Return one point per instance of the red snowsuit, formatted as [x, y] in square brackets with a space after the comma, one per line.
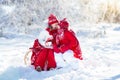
[43, 57]
[64, 39]
[68, 41]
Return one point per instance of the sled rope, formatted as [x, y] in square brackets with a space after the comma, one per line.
[26, 57]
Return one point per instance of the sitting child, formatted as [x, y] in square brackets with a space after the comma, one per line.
[42, 58]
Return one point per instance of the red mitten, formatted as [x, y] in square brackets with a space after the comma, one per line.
[49, 39]
[57, 50]
[64, 48]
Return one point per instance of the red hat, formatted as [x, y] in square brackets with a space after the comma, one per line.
[36, 44]
[64, 24]
[52, 19]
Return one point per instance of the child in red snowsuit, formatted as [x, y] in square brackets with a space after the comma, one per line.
[62, 38]
[42, 58]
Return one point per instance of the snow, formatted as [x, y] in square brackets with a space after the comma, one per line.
[21, 23]
[8, 9]
[101, 57]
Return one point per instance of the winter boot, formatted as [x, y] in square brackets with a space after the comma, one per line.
[38, 68]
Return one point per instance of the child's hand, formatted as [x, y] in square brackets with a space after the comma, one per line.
[48, 44]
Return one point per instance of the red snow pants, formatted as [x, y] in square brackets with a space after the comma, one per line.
[45, 59]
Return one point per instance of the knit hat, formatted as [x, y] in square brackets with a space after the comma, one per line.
[36, 45]
[52, 19]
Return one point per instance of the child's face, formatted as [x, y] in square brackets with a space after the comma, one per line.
[55, 26]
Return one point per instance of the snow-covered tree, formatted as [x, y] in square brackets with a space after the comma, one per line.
[22, 16]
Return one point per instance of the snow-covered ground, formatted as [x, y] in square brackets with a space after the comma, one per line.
[100, 43]
[101, 53]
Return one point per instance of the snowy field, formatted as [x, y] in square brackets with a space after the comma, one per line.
[101, 53]
[100, 43]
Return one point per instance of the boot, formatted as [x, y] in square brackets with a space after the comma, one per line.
[38, 68]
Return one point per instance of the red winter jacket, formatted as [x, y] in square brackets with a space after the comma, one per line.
[70, 42]
[66, 40]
